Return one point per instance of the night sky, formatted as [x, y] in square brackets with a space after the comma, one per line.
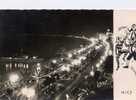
[15, 25]
[54, 21]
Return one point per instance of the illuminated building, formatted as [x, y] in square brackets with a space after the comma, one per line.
[18, 63]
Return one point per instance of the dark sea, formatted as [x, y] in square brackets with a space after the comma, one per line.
[42, 46]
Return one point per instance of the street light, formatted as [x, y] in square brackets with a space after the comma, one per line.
[70, 55]
[92, 73]
[54, 61]
[98, 65]
[13, 77]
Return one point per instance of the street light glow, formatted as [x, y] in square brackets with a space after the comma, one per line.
[28, 92]
[70, 55]
[54, 61]
[14, 77]
[92, 73]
